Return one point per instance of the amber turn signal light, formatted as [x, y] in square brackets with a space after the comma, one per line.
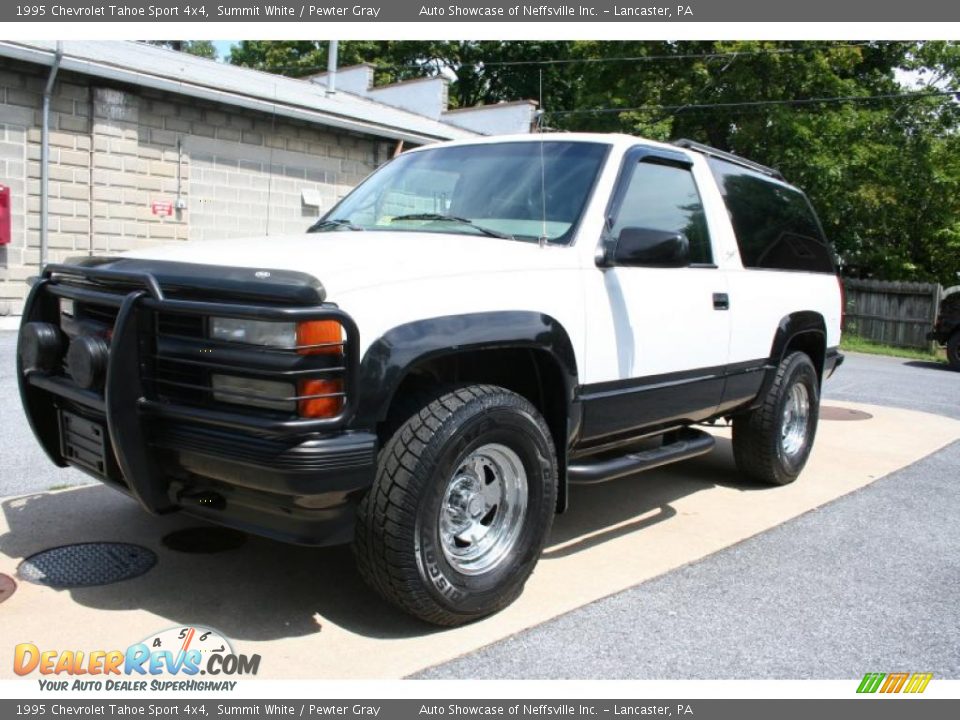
[320, 337]
[321, 407]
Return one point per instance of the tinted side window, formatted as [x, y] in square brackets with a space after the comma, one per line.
[665, 197]
[774, 223]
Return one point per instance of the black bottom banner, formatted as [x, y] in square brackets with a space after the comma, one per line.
[874, 708]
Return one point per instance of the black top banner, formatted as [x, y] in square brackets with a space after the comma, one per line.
[636, 11]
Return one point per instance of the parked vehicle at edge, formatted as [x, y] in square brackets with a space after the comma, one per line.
[946, 330]
[426, 371]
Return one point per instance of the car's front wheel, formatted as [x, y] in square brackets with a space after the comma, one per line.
[461, 506]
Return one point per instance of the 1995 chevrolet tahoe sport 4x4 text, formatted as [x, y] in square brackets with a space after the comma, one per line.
[427, 369]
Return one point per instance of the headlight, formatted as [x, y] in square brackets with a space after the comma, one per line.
[254, 332]
[268, 394]
[313, 337]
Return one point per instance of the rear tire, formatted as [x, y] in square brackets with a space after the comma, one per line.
[461, 506]
[771, 443]
[953, 350]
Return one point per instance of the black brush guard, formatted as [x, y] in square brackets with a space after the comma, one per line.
[126, 400]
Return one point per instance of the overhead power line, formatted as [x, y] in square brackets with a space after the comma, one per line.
[594, 60]
[761, 103]
[678, 56]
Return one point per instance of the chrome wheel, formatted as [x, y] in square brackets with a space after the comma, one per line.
[796, 420]
[483, 508]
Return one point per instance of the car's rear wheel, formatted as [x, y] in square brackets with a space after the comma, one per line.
[461, 506]
[771, 443]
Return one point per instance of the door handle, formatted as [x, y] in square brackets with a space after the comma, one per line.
[721, 301]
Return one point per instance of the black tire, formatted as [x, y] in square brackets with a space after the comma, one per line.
[398, 544]
[759, 448]
[953, 350]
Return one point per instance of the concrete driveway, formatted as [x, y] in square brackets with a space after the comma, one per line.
[287, 603]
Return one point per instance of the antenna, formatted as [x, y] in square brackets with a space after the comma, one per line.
[543, 171]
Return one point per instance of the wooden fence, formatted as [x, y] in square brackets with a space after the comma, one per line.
[893, 313]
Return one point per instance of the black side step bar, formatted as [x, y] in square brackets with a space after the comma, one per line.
[689, 443]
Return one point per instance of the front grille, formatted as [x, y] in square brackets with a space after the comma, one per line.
[177, 382]
[103, 314]
[172, 379]
[180, 359]
[192, 326]
[167, 346]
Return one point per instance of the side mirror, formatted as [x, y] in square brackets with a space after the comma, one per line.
[650, 248]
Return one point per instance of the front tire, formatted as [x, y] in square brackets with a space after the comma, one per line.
[771, 443]
[461, 507]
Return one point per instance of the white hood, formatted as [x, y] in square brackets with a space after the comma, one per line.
[347, 261]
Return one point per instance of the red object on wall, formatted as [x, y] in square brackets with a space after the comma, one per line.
[5, 213]
[163, 208]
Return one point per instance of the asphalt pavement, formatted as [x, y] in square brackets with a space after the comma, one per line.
[24, 467]
[912, 384]
[867, 583]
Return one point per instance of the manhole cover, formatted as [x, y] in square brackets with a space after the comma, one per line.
[7, 587]
[832, 412]
[204, 540]
[86, 564]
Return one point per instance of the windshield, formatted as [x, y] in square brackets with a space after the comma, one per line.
[516, 190]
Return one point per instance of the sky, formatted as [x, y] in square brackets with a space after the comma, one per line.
[223, 48]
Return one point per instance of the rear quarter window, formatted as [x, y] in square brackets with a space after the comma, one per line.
[775, 225]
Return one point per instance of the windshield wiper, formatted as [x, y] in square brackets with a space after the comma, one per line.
[454, 218]
[331, 224]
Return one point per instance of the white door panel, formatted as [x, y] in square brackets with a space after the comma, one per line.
[663, 319]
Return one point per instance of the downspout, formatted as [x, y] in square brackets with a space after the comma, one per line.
[45, 156]
[332, 67]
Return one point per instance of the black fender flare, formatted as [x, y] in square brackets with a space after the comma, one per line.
[791, 326]
[796, 323]
[390, 358]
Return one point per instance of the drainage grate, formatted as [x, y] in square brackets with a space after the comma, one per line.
[832, 412]
[204, 540]
[86, 564]
[7, 587]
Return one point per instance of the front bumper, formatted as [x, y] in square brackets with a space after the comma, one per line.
[291, 478]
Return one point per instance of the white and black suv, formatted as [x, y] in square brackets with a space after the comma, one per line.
[427, 369]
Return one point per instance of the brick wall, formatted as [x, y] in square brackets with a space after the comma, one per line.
[239, 189]
[21, 94]
[114, 151]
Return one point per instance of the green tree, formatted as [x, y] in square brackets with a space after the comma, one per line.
[883, 170]
[300, 58]
[201, 48]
